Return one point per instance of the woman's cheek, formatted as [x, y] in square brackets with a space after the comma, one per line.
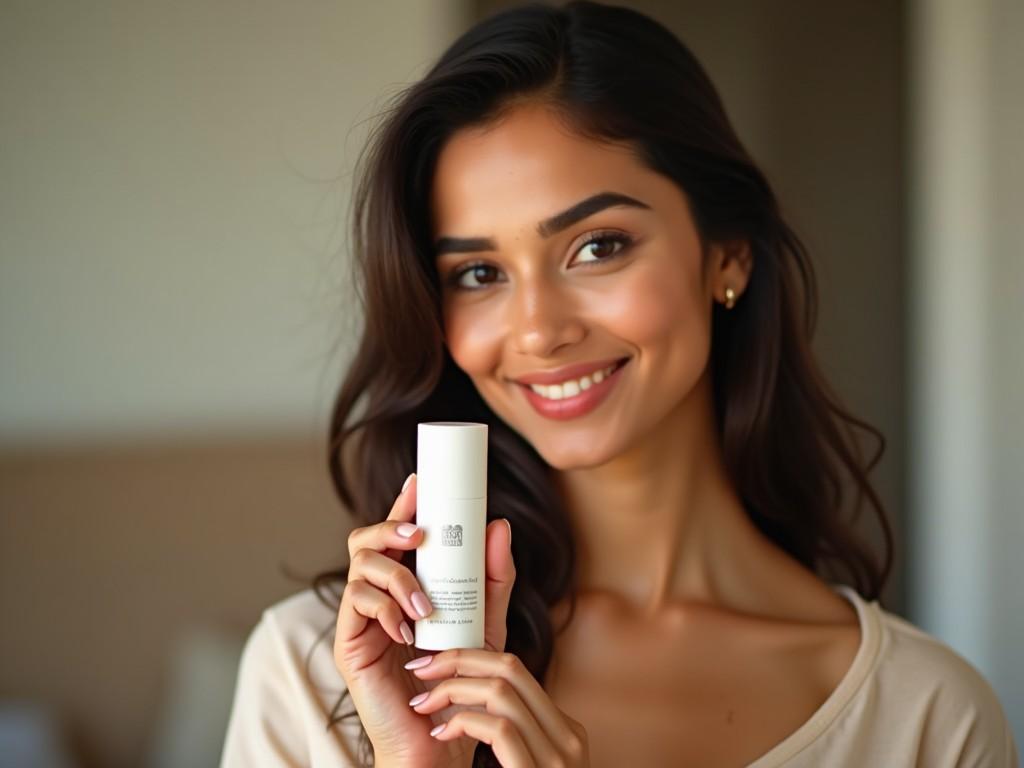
[646, 308]
[659, 312]
[475, 340]
[473, 336]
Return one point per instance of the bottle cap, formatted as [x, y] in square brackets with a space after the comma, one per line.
[451, 459]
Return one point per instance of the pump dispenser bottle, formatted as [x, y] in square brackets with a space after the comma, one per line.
[451, 508]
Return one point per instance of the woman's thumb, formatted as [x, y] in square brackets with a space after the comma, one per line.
[501, 575]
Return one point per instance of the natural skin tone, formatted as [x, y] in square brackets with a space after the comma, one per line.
[696, 639]
[372, 655]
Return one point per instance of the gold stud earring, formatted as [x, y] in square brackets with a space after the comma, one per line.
[730, 298]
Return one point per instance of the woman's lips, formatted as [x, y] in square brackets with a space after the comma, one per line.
[577, 405]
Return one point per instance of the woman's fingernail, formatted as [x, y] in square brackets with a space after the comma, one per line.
[419, 699]
[406, 633]
[421, 604]
[509, 532]
[406, 530]
[422, 661]
[437, 729]
[407, 481]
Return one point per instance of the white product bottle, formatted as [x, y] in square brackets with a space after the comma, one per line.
[451, 508]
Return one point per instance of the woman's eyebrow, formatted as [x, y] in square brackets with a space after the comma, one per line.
[546, 228]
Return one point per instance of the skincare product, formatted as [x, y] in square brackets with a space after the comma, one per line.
[451, 508]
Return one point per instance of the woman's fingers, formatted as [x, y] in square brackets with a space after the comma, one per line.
[501, 734]
[392, 578]
[396, 532]
[475, 662]
[379, 586]
[405, 503]
[500, 699]
[361, 602]
[501, 576]
[385, 537]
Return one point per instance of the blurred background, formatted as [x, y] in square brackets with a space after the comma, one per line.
[175, 316]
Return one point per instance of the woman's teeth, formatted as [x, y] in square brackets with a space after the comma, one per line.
[572, 386]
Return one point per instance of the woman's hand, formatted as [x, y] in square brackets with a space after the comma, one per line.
[369, 647]
[519, 720]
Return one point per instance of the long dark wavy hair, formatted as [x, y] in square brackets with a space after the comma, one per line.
[613, 74]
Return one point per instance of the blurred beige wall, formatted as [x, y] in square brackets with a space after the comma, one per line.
[111, 557]
[175, 179]
[174, 318]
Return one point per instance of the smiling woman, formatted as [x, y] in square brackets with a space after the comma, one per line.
[558, 233]
[635, 315]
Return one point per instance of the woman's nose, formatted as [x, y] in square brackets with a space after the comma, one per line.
[544, 318]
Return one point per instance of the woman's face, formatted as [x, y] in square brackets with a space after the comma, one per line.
[529, 302]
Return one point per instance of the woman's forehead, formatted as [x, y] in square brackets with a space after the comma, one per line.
[528, 146]
[525, 171]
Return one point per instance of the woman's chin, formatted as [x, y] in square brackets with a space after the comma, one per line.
[566, 457]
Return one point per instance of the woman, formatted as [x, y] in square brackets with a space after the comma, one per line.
[558, 233]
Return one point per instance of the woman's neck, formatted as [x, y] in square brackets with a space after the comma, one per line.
[661, 523]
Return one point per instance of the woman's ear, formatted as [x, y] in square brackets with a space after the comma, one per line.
[732, 264]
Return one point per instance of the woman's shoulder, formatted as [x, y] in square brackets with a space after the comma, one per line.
[929, 686]
[907, 699]
[287, 685]
[293, 639]
[302, 616]
[910, 659]
[917, 657]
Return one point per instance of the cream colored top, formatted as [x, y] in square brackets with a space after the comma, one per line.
[907, 700]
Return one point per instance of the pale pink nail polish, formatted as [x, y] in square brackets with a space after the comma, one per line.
[418, 699]
[422, 661]
[421, 604]
[437, 729]
[406, 633]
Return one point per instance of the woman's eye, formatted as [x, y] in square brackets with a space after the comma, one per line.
[478, 272]
[601, 247]
[598, 246]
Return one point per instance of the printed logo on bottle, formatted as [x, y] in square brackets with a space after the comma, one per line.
[451, 535]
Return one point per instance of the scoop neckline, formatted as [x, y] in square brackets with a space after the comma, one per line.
[825, 715]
